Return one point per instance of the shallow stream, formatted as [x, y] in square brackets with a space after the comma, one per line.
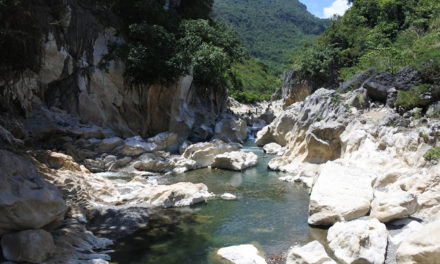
[268, 213]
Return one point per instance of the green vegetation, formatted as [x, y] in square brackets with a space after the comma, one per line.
[20, 38]
[386, 35]
[162, 45]
[425, 137]
[410, 99]
[270, 29]
[418, 113]
[251, 81]
[433, 154]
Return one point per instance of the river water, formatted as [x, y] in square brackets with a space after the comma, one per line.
[268, 213]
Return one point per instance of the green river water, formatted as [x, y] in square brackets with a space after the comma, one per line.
[268, 213]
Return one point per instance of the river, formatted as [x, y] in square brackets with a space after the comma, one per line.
[268, 213]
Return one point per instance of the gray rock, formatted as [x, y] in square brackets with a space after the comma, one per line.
[97, 165]
[434, 110]
[406, 78]
[268, 116]
[355, 82]
[108, 144]
[166, 141]
[34, 246]
[27, 201]
[135, 146]
[379, 85]
[294, 89]
[231, 129]
[116, 223]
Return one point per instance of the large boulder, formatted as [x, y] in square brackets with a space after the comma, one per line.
[422, 246]
[379, 86]
[34, 246]
[205, 153]
[341, 193]
[394, 205]
[236, 160]
[274, 148]
[166, 141]
[163, 163]
[323, 141]
[242, 254]
[108, 144]
[359, 241]
[231, 129]
[312, 253]
[175, 195]
[27, 201]
[294, 89]
[135, 146]
[407, 78]
[116, 222]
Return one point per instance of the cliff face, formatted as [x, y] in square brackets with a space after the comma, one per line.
[72, 77]
[293, 89]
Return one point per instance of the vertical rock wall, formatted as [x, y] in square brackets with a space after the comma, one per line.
[73, 77]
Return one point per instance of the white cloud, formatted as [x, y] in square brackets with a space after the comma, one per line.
[337, 8]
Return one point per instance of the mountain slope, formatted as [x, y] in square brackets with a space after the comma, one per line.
[270, 29]
[375, 34]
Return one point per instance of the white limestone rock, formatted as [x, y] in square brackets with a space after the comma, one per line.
[341, 193]
[175, 195]
[359, 241]
[393, 205]
[274, 148]
[312, 253]
[204, 153]
[228, 196]
[236, 160]
[422, 246]
[242, 254]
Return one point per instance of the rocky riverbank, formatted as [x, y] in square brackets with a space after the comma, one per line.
[366, 166]
[61, 177]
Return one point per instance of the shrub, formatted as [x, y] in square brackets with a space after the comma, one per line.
[410, 99]
[165, 44]
[385, 35]
[433, 154]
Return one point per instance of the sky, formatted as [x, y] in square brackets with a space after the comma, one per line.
[326, 8]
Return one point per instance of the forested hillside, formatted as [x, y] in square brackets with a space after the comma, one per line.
[384, 35]
[270, 29]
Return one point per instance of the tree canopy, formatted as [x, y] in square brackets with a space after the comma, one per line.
[386, 35]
